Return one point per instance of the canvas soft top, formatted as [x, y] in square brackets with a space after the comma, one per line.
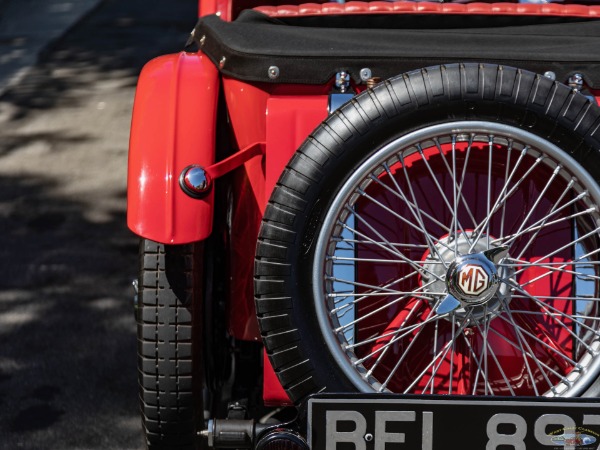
[311, 49]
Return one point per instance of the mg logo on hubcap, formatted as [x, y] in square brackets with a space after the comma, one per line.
[472, 279]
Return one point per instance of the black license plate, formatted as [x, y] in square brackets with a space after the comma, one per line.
[346, 422]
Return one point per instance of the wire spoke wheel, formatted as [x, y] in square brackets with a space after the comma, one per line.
[462, 258]
[439, 234]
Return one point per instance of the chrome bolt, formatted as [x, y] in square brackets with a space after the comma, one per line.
[202, 40]
[209, 433]
[365, 74]
[368, 437]
[195, 181]
[222, 62]
[273, 72]
[576, 81]
[342, 81]
[550, 75]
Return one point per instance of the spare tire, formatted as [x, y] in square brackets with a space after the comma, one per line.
[439, 234]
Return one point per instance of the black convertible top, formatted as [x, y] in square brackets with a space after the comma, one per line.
[310, 50]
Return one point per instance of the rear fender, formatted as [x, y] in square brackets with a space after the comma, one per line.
[173, 127]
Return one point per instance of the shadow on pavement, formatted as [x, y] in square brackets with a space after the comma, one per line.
[113, 42]
[68, 374]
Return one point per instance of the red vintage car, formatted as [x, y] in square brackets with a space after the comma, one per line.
[370, 225]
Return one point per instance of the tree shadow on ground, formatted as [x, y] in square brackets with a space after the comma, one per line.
[68, 375]
[113, 42]
[67, 343]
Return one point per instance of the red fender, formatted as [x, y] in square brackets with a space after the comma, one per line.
[173, 126]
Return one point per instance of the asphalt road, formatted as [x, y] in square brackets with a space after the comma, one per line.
[67, 332]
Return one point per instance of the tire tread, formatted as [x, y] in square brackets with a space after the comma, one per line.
[165, 354]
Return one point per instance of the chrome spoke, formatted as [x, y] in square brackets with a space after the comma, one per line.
[557, 311]
[559, 269]
[540, 341]
[540, 364]
[373, 260]
[440, 355]
[562, 266]
[457, 186]
[549, 314]
[435, 344]
[480, 370]
[397, 336]
[340, 295]
[508, 158]
[394, 333]
[401, 359]
[375, 311]
[504, 195]
[489, 188]
[520, 338]
[371, 242]
[493, 355]
[540, 223]
[554, 297]
[387, 347]
[377, 290]
[400, 195]
[428, 237]
[437, 185]
[417, 211]
[562, 325]
[390, 249]
[533, 208]
[452, 352]
[428, 319]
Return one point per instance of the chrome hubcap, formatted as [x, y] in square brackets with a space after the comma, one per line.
[471, 281]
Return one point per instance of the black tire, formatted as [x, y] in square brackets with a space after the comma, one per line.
[169, 362]
[303, 197]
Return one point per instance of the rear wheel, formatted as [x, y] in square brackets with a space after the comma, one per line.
[441, 234]
[169, 363]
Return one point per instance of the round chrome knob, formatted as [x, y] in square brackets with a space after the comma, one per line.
[195, 181]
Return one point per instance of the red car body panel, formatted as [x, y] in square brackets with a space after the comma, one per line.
[173, 126]
[283, 122]
[290, 119]
[287, 128]
[221, 7]
[273, 392]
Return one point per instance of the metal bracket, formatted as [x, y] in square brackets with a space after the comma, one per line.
[336, 100]
[196, 181]
[236, 160]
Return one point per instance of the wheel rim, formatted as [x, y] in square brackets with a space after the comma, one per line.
[432, 206]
